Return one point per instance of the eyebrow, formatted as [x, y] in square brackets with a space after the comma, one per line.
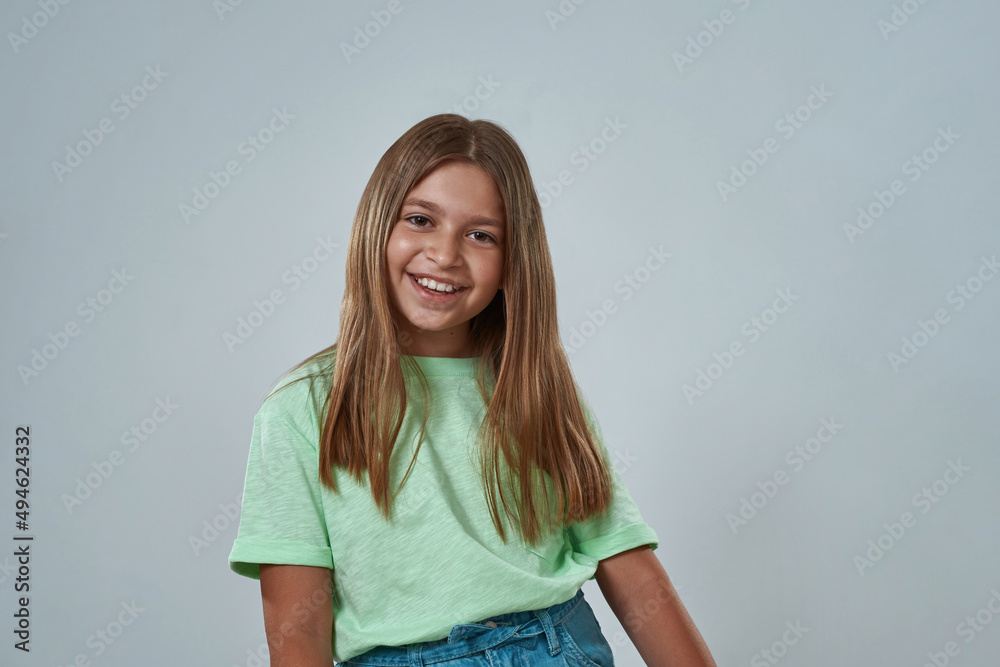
[434, 208]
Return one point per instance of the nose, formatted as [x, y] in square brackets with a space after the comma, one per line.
[443, 248]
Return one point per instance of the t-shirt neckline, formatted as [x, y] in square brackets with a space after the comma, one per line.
[444, 365]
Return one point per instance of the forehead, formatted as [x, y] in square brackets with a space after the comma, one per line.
[461, 190]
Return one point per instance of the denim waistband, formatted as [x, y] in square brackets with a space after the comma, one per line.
[470, 638]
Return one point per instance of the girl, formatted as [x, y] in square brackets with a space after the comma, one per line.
[433, 488]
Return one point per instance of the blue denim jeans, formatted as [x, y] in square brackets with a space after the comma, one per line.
[564, 634]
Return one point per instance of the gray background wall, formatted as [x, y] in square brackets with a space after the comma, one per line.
[892, 90]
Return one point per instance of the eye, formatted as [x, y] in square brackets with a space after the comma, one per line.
[413, 218]
[488, 239]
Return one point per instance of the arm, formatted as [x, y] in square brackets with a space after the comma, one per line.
[640, 593]
[298, 614]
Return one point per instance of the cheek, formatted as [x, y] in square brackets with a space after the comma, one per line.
[396, 254]
[493, 270]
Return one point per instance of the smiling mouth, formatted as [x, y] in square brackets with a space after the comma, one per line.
[433, 287]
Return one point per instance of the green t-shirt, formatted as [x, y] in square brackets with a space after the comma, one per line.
[439, 561]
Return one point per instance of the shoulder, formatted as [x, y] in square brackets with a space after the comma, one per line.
[300, 396]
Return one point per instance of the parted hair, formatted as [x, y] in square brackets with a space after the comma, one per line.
[534, 438]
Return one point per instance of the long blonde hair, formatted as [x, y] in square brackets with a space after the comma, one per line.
[534, 417]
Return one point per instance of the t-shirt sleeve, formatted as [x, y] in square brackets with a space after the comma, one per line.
[620, 527]
[282, 519]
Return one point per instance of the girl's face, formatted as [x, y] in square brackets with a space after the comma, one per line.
[450, 230]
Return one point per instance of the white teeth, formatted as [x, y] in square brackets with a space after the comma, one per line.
[437, 287]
